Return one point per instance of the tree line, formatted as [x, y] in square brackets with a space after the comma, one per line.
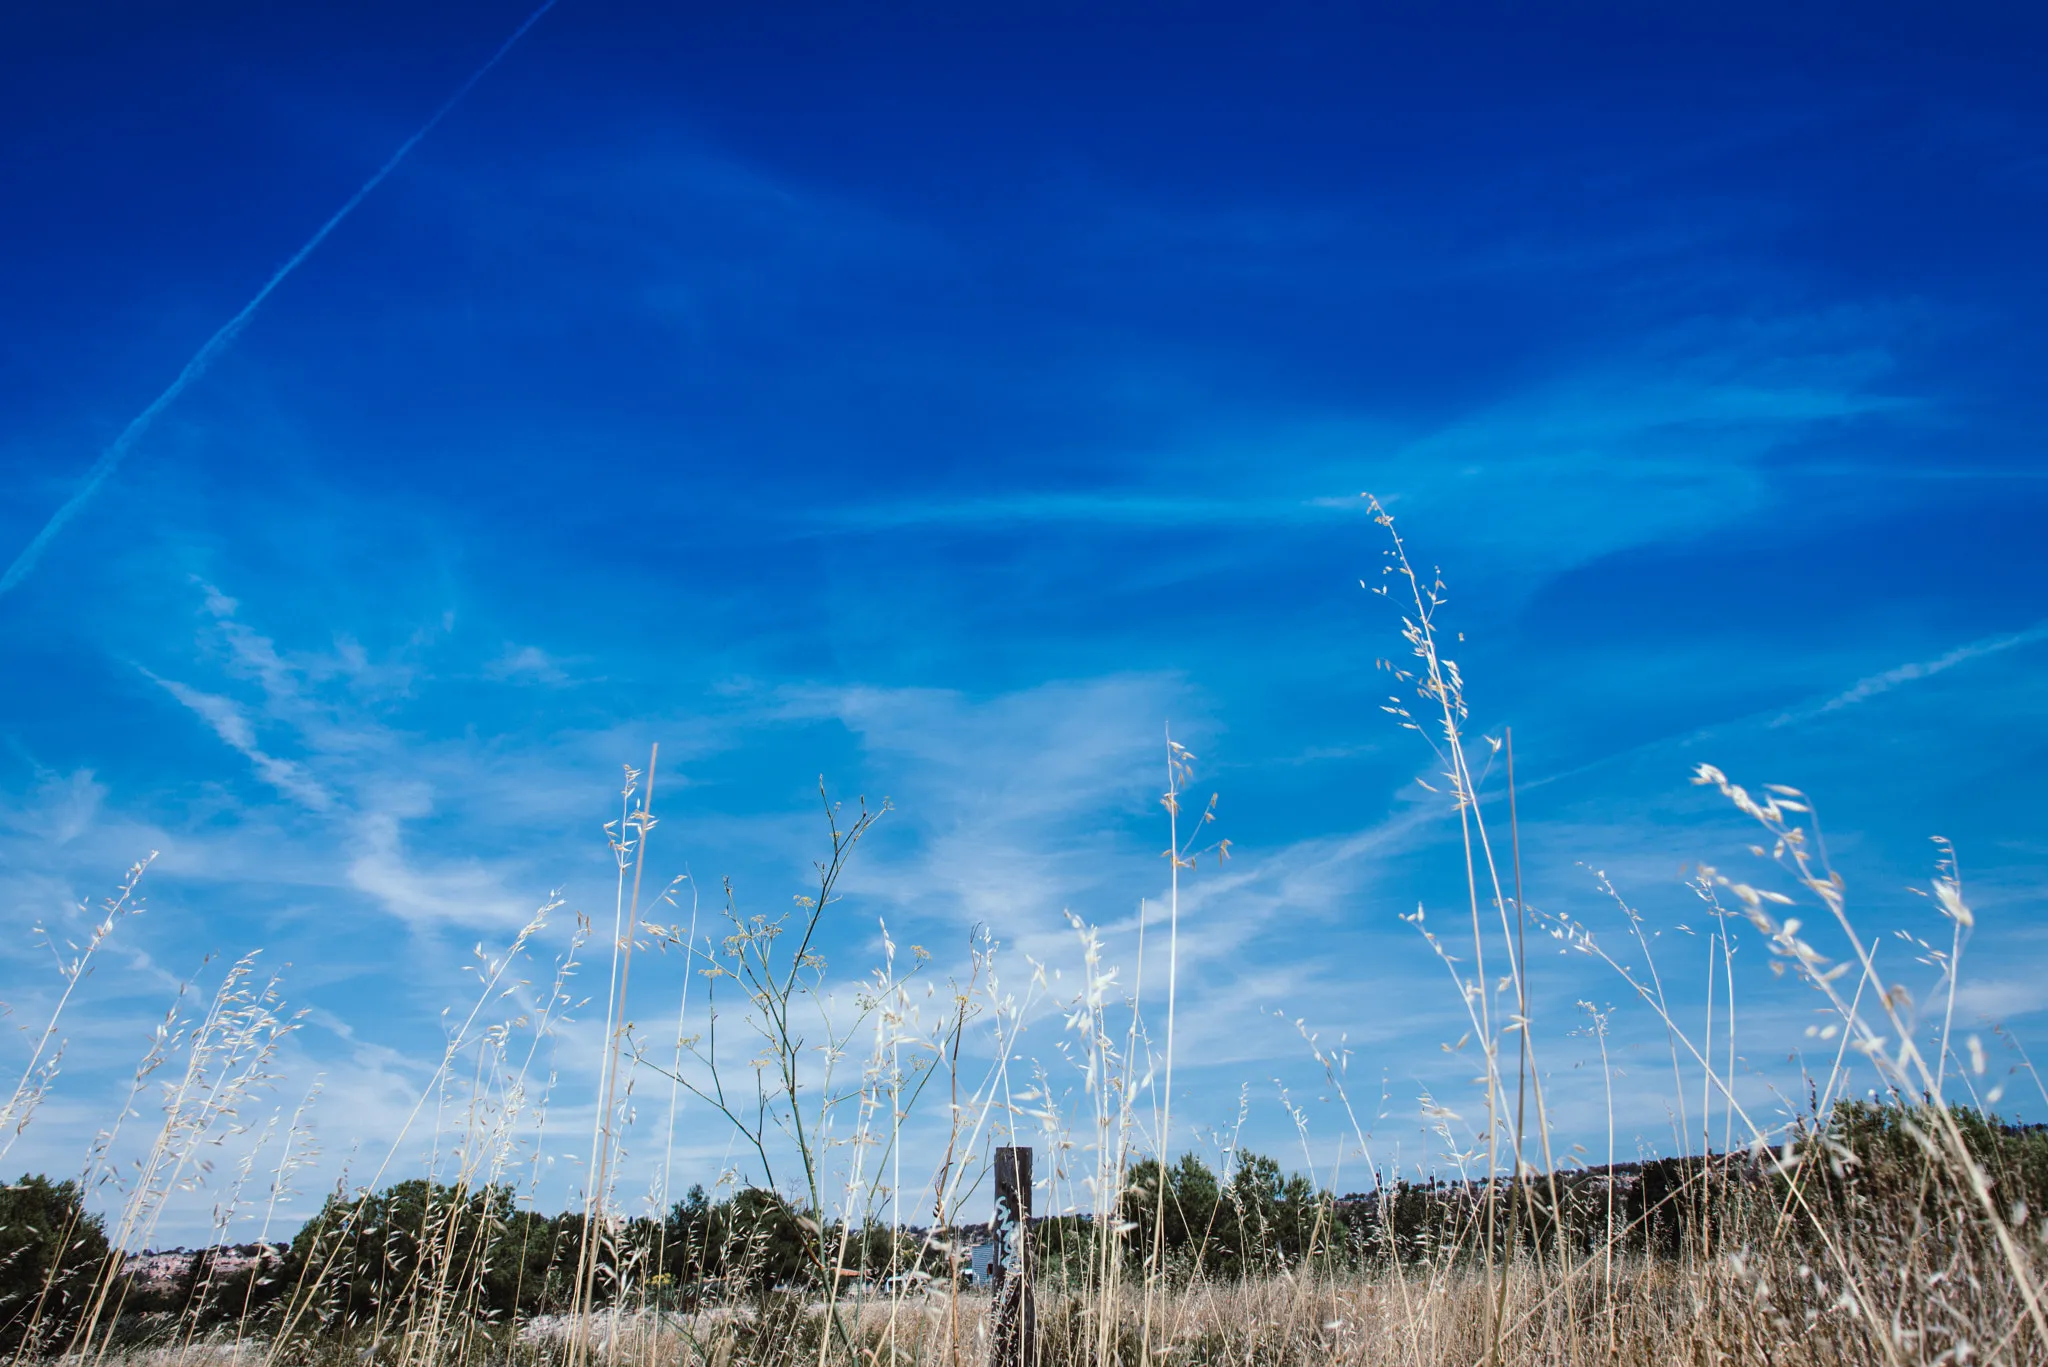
[420, 1251]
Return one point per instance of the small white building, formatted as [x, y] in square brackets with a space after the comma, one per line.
[975, 1250]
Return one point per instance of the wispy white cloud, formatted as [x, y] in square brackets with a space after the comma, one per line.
[58, 808]
[315, 730]
[526, 664]
[1684, 435]
[454, 890]
[1017, 800]
[232, 724]
[2002, 998]
[291, 681]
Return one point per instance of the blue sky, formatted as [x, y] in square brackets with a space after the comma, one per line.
[946, 402]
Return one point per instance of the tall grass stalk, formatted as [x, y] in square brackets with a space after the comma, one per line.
[44, 1058]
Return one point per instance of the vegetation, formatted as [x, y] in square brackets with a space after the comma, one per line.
[1886, 1223]
[51, 1252]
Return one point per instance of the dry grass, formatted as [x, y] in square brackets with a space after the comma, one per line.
[1657, 1312]
[1808, 1241]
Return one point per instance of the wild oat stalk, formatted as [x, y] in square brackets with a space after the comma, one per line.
[230, 1053]
[44, 1059]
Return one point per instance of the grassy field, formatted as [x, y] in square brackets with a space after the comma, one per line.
[1902, 1229]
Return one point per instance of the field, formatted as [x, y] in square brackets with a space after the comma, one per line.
[1901, 1227]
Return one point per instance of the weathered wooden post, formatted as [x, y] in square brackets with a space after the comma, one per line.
[1013, 1312]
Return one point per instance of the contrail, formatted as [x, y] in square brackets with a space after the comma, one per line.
[110, 459]
[1918, 669]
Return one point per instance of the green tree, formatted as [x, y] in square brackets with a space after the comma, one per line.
[419, 1248]
[1259, 1220]
[754, 1240]
[51, 1251]
[1192, 1195]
